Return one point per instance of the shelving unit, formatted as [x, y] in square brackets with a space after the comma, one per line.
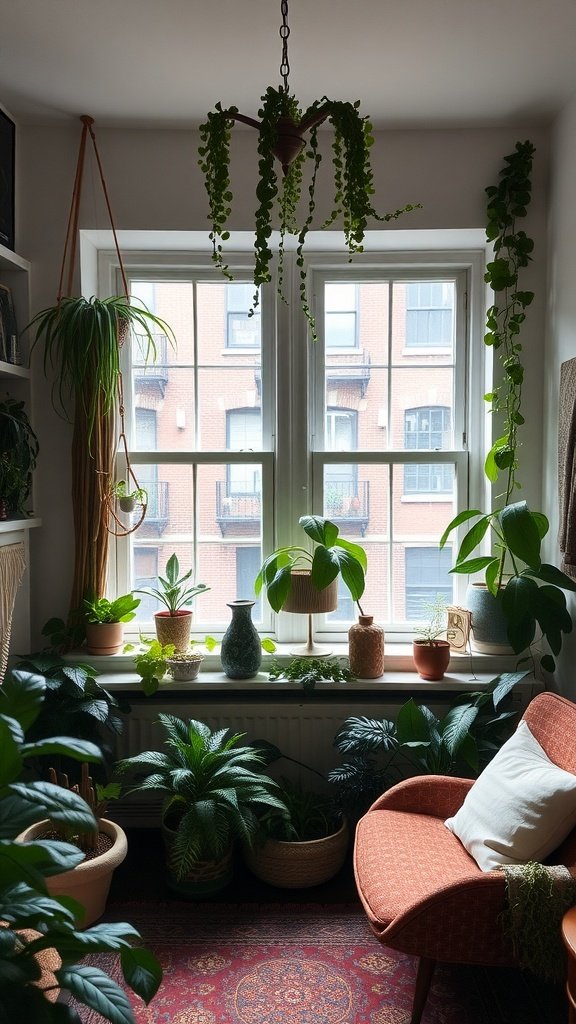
[15, 381]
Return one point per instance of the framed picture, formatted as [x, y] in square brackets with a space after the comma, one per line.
[7, 149]
[9, 348]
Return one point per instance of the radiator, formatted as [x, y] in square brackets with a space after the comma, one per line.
[304, 731]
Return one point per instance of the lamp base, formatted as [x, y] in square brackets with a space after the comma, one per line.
[311, 650]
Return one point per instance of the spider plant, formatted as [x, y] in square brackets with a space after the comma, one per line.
[82, 339]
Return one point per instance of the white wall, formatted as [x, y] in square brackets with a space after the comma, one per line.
[154, 183]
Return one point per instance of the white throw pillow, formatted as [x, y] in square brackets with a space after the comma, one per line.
[520, 808]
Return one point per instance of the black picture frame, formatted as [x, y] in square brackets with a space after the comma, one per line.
[9, 349]
[7, 180]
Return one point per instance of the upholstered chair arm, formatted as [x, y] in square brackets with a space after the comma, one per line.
[438, 795]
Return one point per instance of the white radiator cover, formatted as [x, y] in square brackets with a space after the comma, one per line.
[304, 731]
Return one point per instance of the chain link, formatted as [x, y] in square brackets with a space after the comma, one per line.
[284, 33]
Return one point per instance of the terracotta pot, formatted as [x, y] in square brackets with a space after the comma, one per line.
[89, 882]
[294, 865]
[431, 659]
[174, 629]
[104, 637]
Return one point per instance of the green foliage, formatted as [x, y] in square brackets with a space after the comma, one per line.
[278, 200]
[531, 590]
[310, 671]
[120, 490]
[378, 752]
[176, 592]
[18, 453]
[332, 556]
[74, 703]
[24, 899]
[436, 625]
[81, 343]
[212, 788]
[100, 609]
[152, 662]
[308, 816]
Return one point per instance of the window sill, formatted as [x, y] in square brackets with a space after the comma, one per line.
[466, 672]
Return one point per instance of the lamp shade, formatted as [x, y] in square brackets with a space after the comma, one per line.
[306, 599]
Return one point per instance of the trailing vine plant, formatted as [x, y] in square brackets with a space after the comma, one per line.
[531, 591]
[278, 200]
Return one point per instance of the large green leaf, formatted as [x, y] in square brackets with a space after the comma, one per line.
[456, 727]
[473, 538]
[551, 574]
[279, 587]
[10, 756]
[141, 971]
[329, 562]
[504, 683]
[518, 600]
[320, 530]
[21, 696]
[462, 517]
[521, 533]
[69, 746]
[93, 988]
[31, 862]
[58, 804]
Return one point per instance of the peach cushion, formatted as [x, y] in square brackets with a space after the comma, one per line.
[519, 809]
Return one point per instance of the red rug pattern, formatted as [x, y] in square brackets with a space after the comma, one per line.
[294, 964]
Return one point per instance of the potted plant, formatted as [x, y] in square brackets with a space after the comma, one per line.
[281, 135]
[18, 454]
[81, 339]
[431, 654]
[173, 625]
[309, 671]
[528, 592]
[377, 753]
[126, 498]
[26, 868]
[104, 850]
[304, 844]
[293, 567]
[105, 622]
[212, 792]
[157, 659]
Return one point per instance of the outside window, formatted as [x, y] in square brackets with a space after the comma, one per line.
[234, 442]
[242, 330]
[429, 314]
[427, 428]
[340, 315]
[427, 577]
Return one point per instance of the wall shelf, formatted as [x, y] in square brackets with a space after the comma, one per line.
[13, 371]
[13, 525]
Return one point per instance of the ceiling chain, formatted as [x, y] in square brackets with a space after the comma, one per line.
[284, 33]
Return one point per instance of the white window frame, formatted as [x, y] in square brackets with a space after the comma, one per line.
[292, 463]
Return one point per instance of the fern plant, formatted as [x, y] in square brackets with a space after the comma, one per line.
[212, 790]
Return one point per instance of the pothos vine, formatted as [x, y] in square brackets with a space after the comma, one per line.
[278, 200]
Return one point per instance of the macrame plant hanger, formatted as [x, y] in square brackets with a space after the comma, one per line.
[114, 523]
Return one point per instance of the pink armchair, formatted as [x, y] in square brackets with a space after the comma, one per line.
[422, 892]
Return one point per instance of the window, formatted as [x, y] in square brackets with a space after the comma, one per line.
[427, 577]
[238, 441]
[340, 315]
[429, 314]
[242, 330]
[427, 428]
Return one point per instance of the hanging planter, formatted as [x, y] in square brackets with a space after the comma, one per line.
[283, 136]
[82, 339]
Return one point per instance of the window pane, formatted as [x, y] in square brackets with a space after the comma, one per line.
[427, 577]
[429, 314]
[422, 408]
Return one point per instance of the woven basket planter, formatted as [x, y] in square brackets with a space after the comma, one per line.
[203, 877]
[299, 865]
[174, 629]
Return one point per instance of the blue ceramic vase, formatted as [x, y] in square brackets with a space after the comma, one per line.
[241, 651]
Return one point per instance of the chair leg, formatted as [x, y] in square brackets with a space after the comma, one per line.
[423, 980]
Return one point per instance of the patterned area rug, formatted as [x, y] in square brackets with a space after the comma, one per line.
[295, 964]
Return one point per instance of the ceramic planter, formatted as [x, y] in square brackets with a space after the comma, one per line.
[186, 667]
[241, 651]
[431, 658]
[127, 504]
[104, 637]
[174, 629]
[89, 882]
[489, 633]
[294, 865]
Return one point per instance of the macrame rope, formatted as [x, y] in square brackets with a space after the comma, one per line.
[12, 566]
